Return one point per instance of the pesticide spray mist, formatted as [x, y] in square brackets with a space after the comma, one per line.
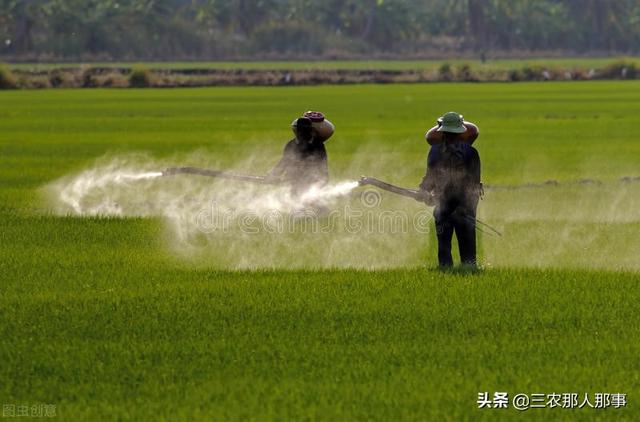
[121, 189]
[218, 222]
[230, 224]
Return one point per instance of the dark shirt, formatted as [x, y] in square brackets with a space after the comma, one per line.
[303, 164]
[453, 172]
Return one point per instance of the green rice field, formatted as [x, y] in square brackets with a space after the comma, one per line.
[120, 306]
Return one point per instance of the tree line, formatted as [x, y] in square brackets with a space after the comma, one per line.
[233, 29]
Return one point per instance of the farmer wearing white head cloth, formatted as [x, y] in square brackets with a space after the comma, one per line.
[304, 160]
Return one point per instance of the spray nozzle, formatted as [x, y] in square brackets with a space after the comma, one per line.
[364, 180]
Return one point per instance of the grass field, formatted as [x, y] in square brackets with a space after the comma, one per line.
[115, 317]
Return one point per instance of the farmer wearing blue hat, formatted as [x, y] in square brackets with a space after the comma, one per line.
[452, 184]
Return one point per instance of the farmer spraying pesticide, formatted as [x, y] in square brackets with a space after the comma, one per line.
[452, 184]
[303, 166]
[304, 160]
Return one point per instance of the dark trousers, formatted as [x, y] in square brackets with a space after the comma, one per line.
[461, 219]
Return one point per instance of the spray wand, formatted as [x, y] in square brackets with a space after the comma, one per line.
[422, 196]
[172, 171]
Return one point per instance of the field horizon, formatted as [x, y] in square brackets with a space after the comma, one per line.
[399, 64]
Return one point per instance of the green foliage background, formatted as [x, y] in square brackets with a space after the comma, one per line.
[215, 29]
